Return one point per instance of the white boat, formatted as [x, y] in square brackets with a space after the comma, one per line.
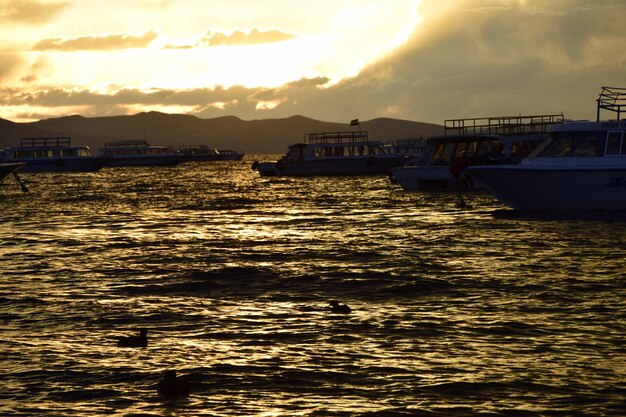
[53, 154]
[493, 140]
[559, 176]
[230, 155]
[199, 153]
[581, 166]
[139, 153]
[333, 154]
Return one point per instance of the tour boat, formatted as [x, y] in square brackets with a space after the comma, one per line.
[53, 154]
[333, 154]
[493, 140]
[580, 166]
[230, 155]
[200, 153]
[139, 153]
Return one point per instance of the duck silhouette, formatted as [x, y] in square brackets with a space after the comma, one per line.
[335, 307]
[172, 386]
[134, 341]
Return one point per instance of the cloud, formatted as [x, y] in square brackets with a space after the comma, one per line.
[11, 62]
[108, 42]
[472, 58]
[29, 12]
[253, 37]
[40, 67]
[467, 58]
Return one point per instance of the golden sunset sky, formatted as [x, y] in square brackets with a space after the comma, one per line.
[334, 60]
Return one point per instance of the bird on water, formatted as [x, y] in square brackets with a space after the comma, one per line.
[172, 386]
[335, 307]
[134, 341]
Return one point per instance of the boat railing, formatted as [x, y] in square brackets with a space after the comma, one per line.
[502, 125]
[336, 137]
[612, 99]
[48, 142]
[127, 144]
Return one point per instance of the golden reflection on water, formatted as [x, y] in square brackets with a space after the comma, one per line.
[232, 274]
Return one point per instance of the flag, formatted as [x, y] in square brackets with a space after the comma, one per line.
[354, 122]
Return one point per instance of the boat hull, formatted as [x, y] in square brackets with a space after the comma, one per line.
[330, 167]
[62, 164]
[432, 178]
[7, 168]
[550, 188]
[146, 160]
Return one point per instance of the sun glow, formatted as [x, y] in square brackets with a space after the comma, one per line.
[85, 52]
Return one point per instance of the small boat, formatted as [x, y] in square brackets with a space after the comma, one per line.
[493, 140]
[200, 153]
[53, 154]
[139, 153]
[230, 155]
[580, 166]
[333, 154]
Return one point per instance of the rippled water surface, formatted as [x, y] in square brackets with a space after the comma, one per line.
[455, 312]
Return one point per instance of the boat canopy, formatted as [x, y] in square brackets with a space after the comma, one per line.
[612, 99]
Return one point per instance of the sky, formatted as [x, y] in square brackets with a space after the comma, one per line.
[420, 60]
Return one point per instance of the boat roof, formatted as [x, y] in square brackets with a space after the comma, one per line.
[127, 144]
[460, 138]
[589, 126]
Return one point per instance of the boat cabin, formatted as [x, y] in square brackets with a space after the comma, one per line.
[590, 139]
[585, 139]
[335, 145]
[134, 147]
[48, 147]
[442, 150]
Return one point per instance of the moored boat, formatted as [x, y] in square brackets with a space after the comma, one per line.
[230, 155]
[333, 154]
[139, 153]
[580, 166]
[493, 140]
[53, 154]
[199, 153]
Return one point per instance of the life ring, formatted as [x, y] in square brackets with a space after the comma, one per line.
[60, 163]
[255, 165]
[280, 165]
[371, 161]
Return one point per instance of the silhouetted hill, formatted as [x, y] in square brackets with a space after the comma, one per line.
[228, 132]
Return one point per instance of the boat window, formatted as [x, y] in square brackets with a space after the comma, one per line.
[560, 146]
[614, 144]
[460, 150]
[585, 146]
[439, 152]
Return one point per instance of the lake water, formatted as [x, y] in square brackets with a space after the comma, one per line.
[478, 312]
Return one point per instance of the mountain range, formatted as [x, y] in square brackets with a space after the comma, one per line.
[228, 132]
